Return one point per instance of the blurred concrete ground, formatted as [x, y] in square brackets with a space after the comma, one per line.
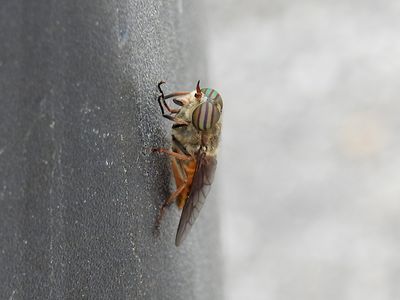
[309, 169]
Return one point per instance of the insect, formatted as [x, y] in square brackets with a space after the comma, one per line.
[195, 137]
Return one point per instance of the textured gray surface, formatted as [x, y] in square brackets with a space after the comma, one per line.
[79, 188]
[309, 163]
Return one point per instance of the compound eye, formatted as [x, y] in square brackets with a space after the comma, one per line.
[213, 96]
[205, 116]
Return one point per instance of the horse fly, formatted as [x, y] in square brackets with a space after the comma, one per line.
[195, 137]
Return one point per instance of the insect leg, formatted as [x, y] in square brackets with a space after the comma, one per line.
[161, 102]
[182, 178]
[161, 99]
[176, 94]
[171, 199]
[173, 154]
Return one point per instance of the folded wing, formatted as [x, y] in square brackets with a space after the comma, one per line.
[202, 180]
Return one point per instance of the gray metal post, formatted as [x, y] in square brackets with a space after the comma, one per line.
[79, 188]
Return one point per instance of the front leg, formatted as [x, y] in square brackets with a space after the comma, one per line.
[161, 101]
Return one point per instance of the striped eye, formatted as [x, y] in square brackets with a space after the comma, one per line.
[213, 95]
[205, 116]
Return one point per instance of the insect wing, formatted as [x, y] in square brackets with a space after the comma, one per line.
[202, 180]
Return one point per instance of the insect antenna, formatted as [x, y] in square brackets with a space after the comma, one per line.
[198, 90]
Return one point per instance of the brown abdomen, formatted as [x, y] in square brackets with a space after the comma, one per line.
[182, 170]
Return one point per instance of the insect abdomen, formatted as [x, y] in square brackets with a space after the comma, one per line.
[183, 170]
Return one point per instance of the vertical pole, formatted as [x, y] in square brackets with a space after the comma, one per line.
[79, 187]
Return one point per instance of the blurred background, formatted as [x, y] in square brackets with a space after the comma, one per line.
[309, 169]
